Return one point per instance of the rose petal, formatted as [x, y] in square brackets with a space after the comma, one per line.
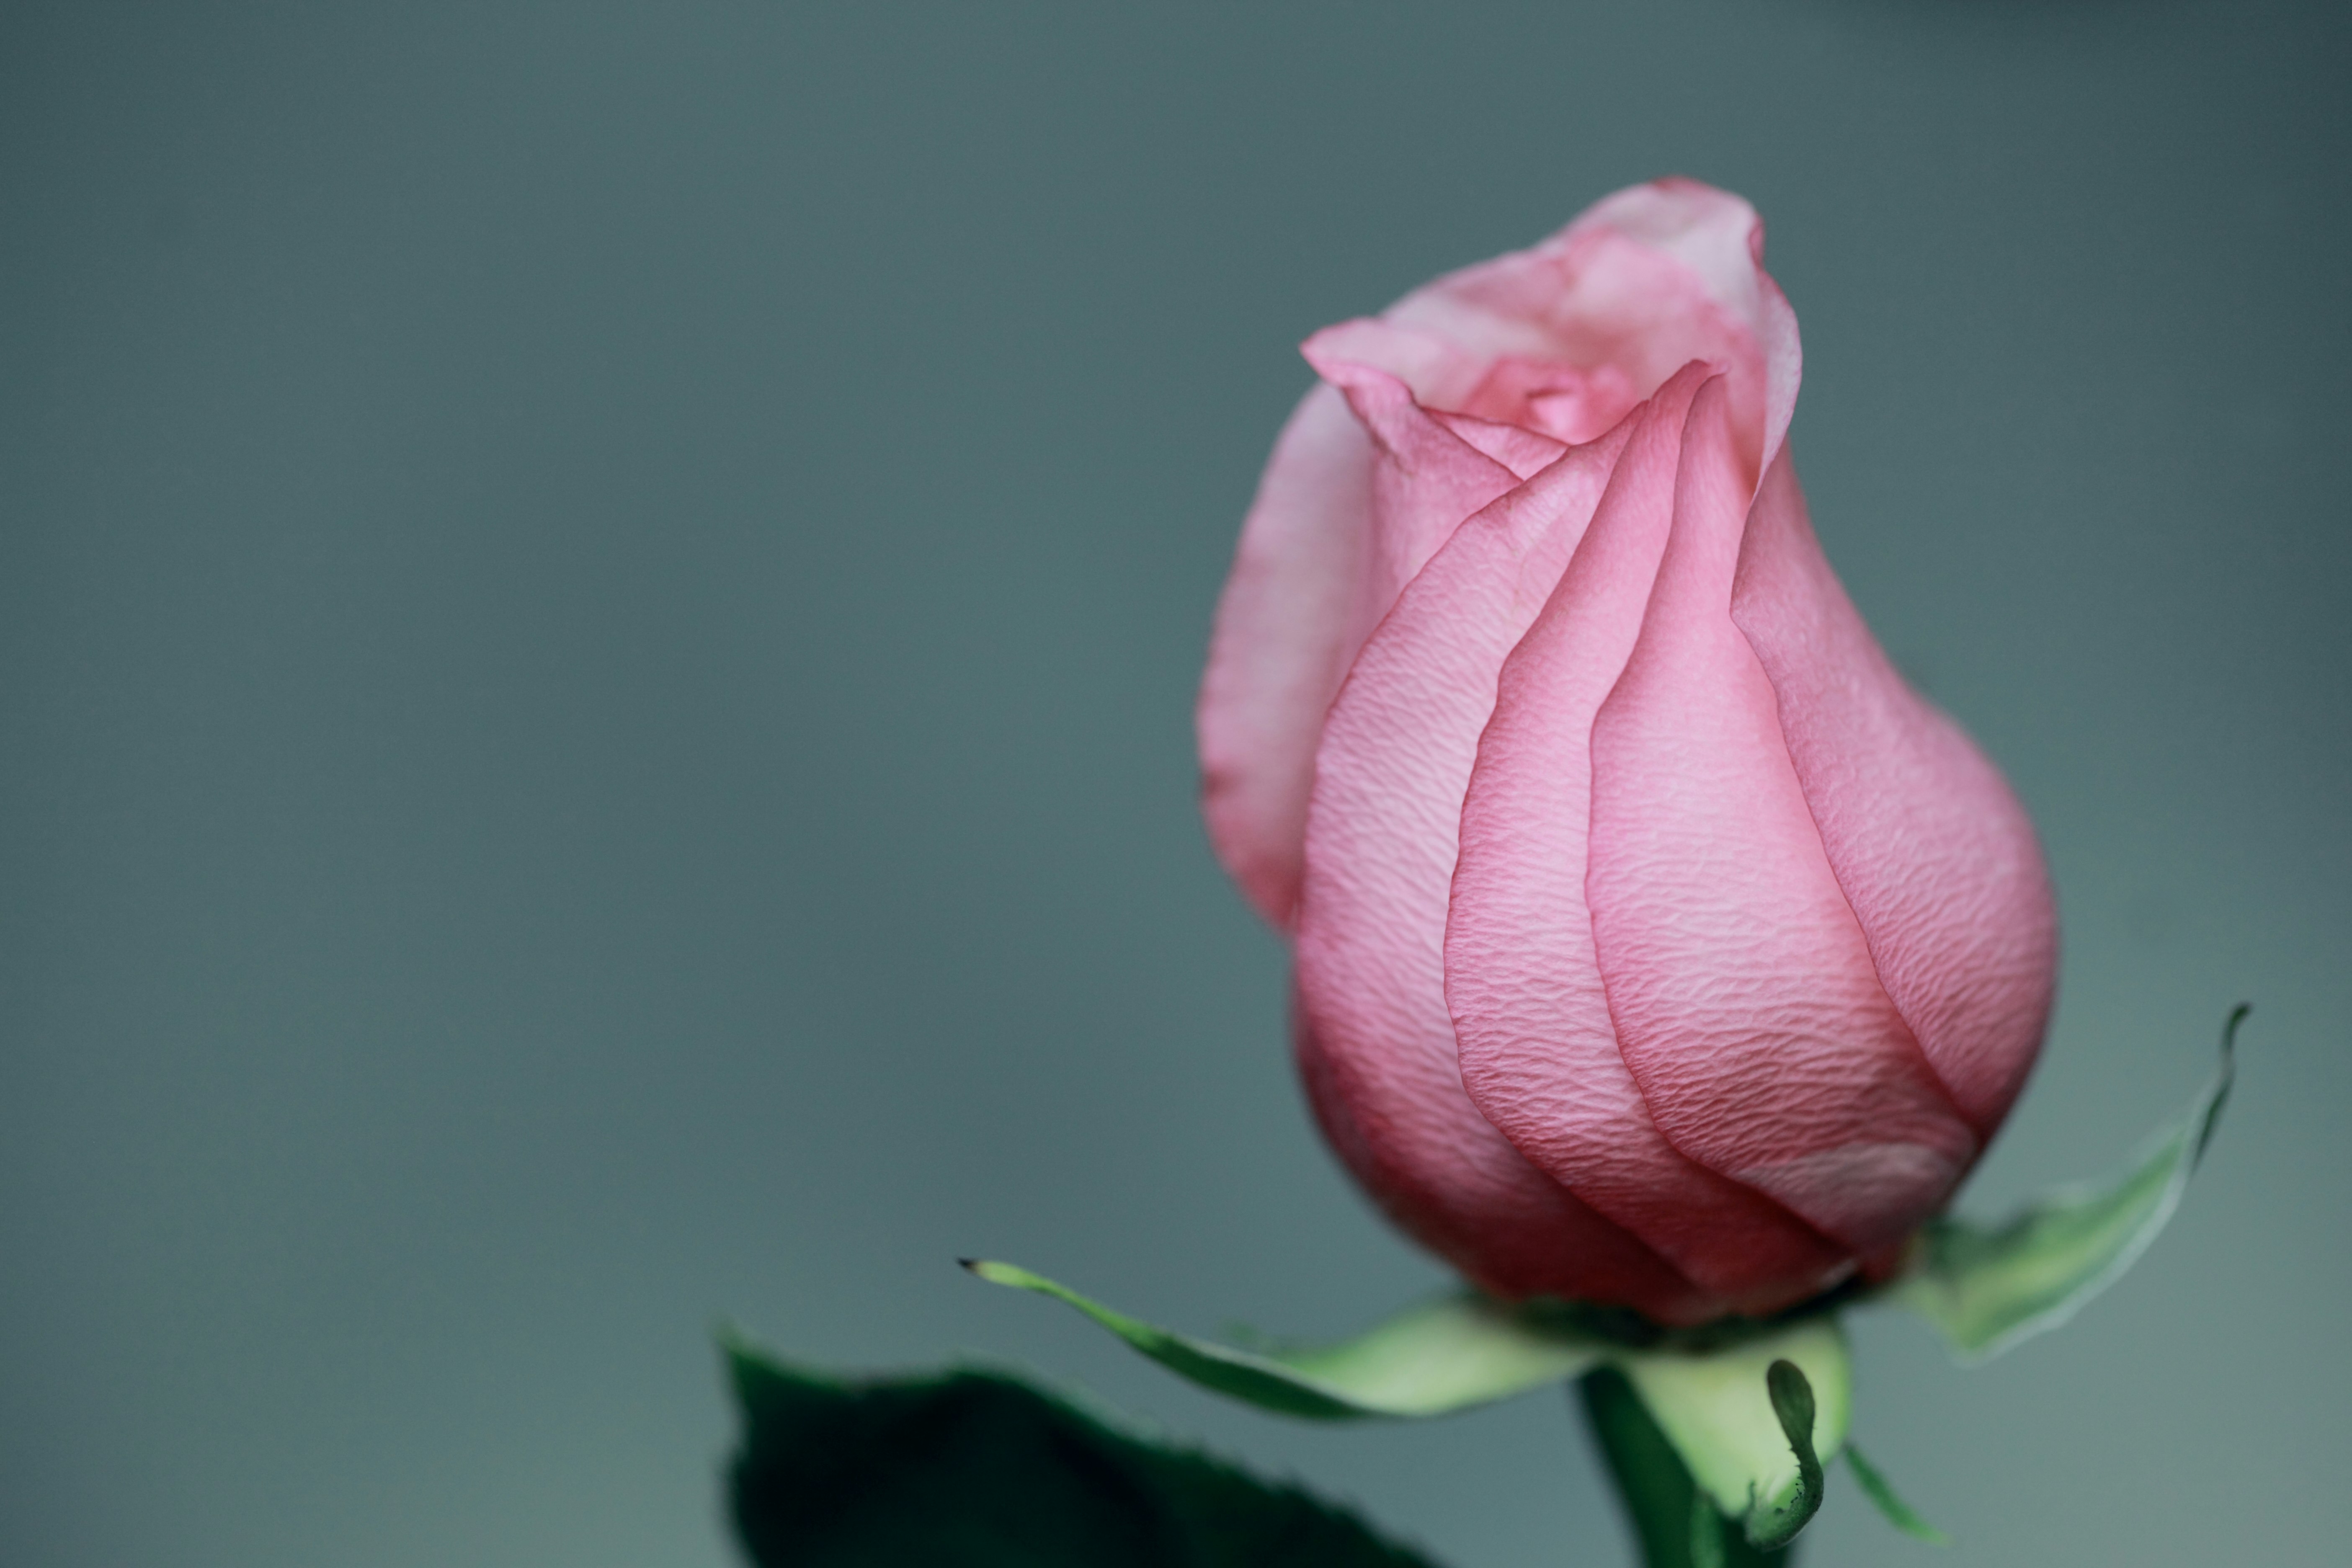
[1281, 646]
[1719, 237]
[1538, 1053]
[1936, 855]
[1376, 1044]
[1746, 1002]
[1645, 281]
[1568, 403]
[1426, 478]
[1641, 284]
[1318, 569]
[1525, 452]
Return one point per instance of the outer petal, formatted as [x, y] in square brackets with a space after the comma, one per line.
[1742, 988]
[1933, 853]
[1344, 519]
[1556, 341]
[1376, 1044]
[1281, 646]
[1538, 1052]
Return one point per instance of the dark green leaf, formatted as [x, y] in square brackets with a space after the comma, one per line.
[1900, 1514]
[972, 1469]
[1987, 1288]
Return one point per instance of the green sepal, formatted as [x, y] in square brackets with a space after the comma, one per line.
[1445, 1356]
[1753, 1435]
[1674, 1521]
[1880, 1490]
[1714, 1398]
[1987, 1287]
[975, 1469]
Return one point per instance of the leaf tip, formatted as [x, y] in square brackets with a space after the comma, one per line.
[1771, 1525]
[1792, 1400]
[997, 1273]
[2220, 1092]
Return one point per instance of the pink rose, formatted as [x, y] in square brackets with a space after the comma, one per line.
[1654, 943]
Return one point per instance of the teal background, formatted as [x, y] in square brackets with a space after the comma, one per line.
[598, 612]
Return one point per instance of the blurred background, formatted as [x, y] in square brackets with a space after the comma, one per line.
[599, 605]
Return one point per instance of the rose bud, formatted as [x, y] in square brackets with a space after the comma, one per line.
[1654, 943]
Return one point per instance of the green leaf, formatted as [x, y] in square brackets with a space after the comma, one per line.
[1987, 1288]
[1446, 1355]
[1878, 1489]
[970, 1469]
[1754, 1419]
